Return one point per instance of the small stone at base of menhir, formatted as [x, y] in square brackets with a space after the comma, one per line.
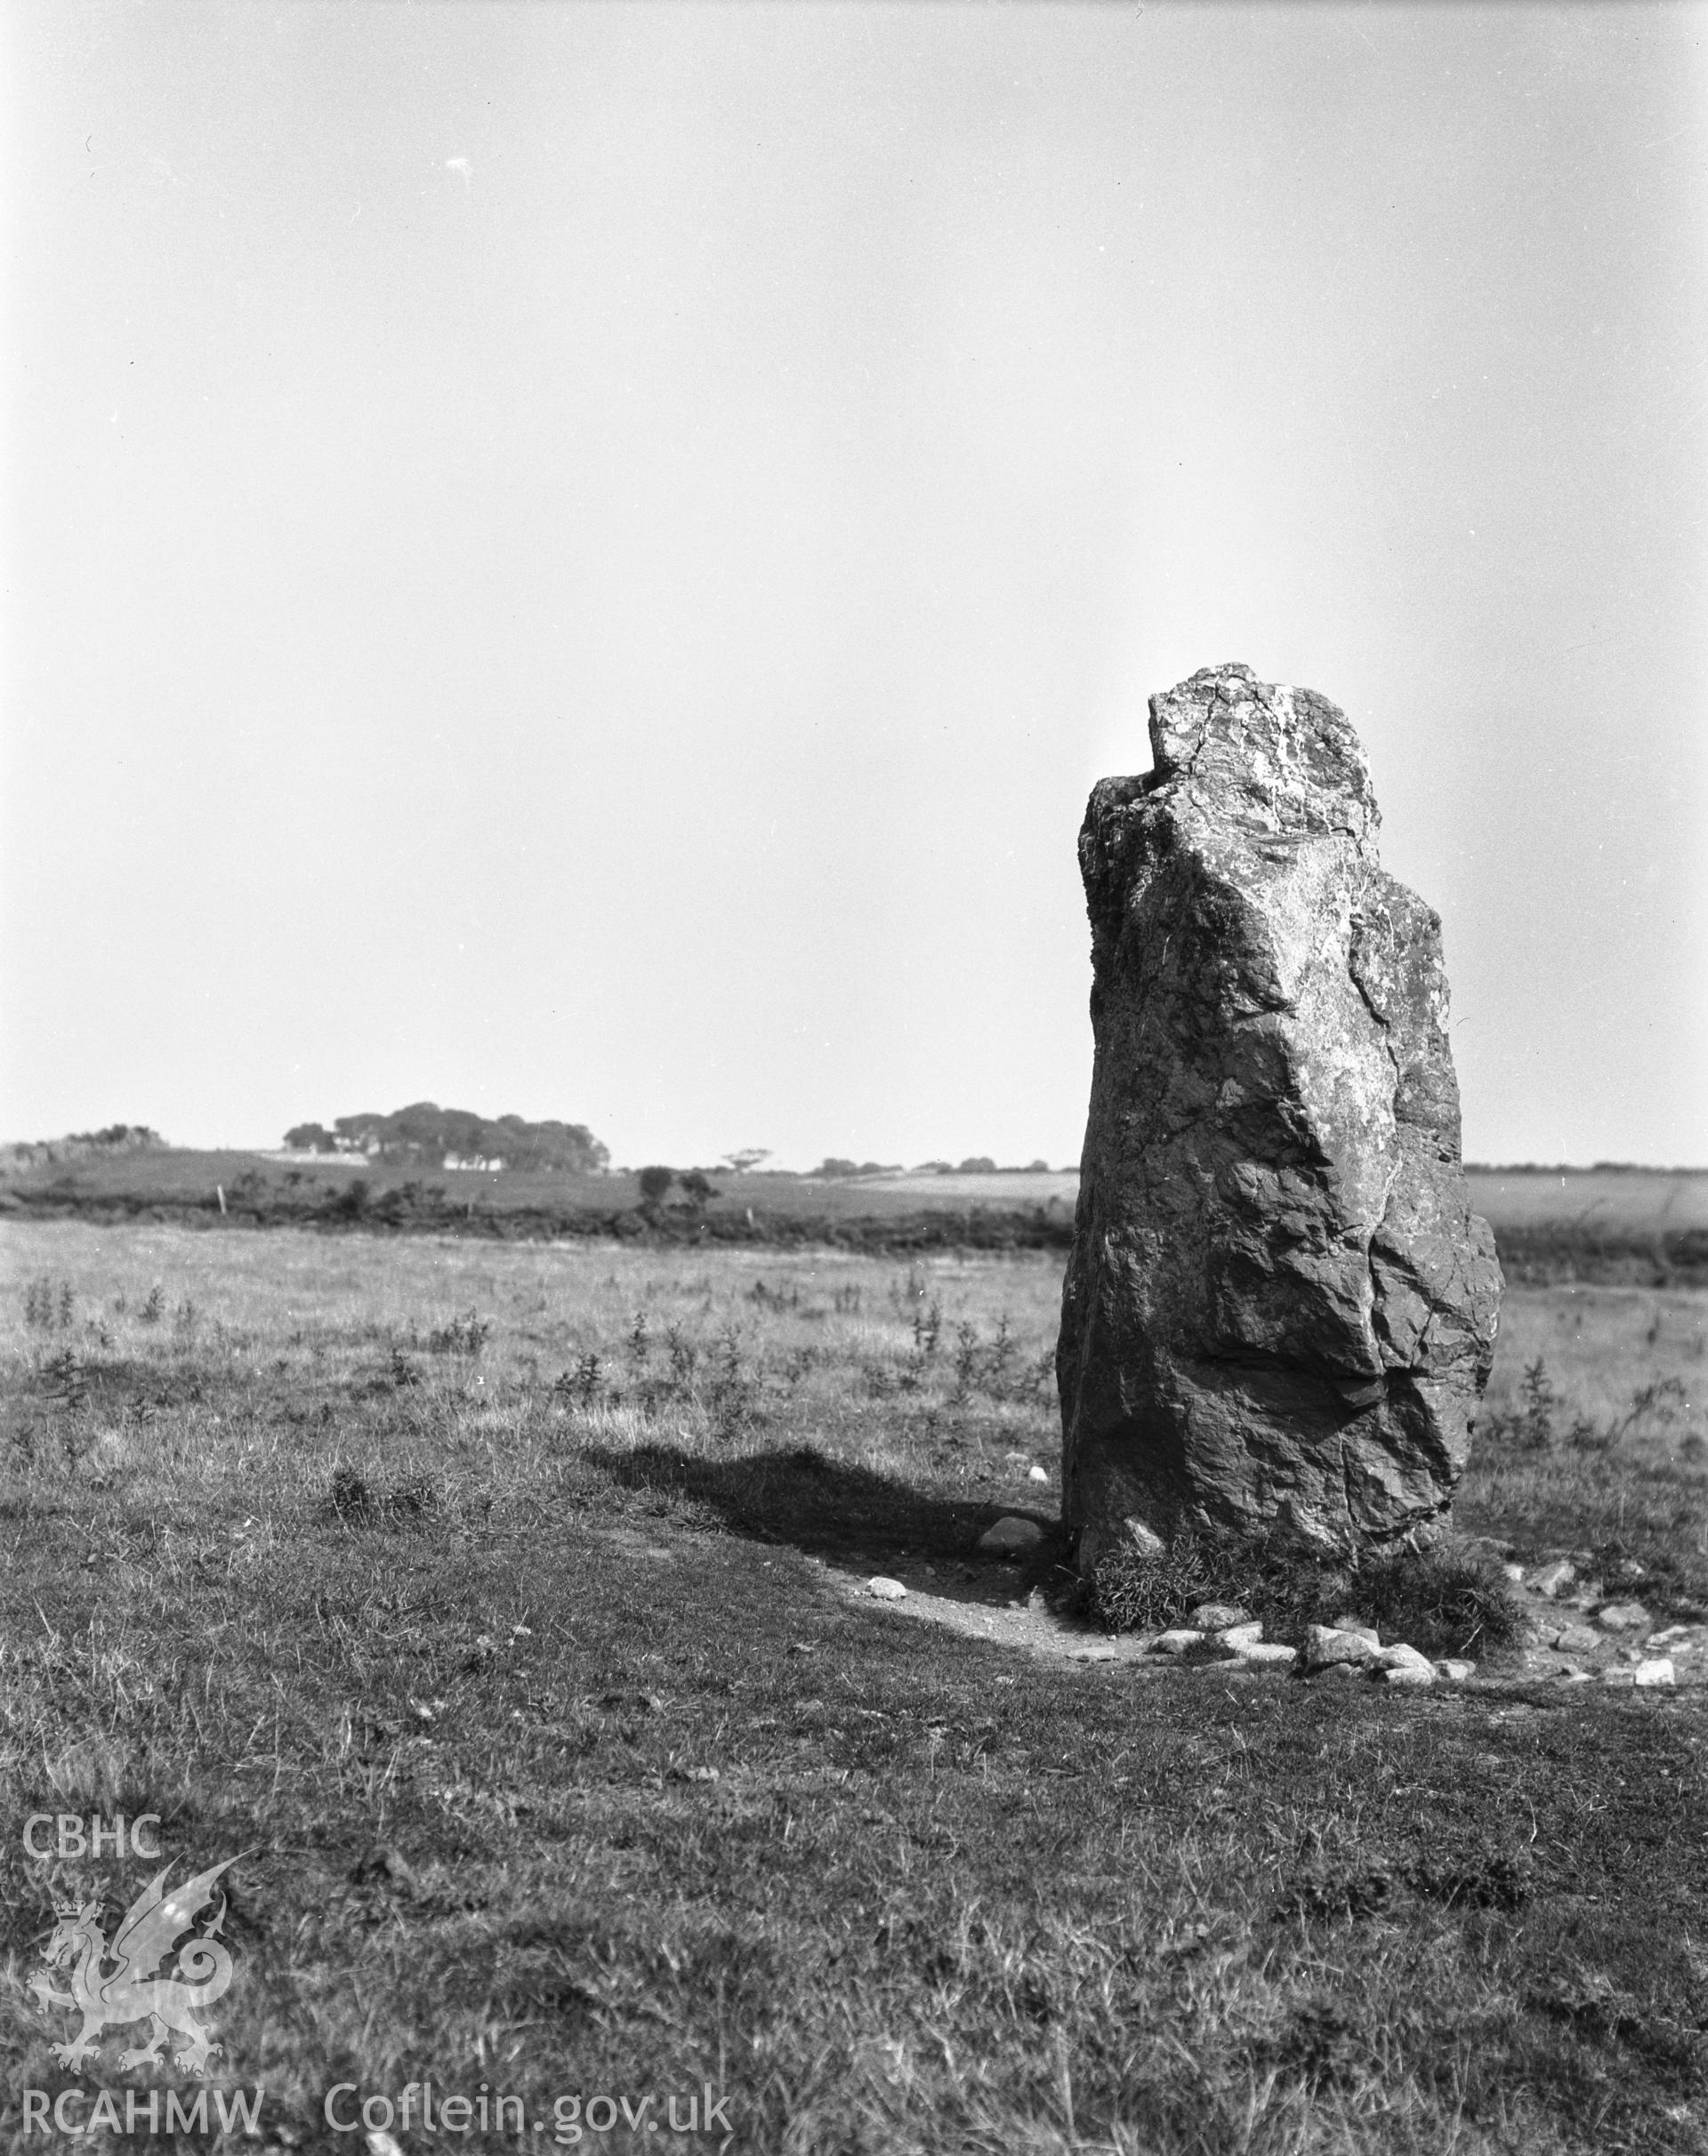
[1009, 1536]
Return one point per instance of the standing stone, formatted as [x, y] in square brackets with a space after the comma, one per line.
[1280, 1310]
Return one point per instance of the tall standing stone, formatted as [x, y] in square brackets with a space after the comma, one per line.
[1280, 1309]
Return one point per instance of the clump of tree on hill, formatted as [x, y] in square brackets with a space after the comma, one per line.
[697, 1187]
[82, 1145]
[427, 1135]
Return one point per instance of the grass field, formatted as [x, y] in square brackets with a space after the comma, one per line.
[1635, 1226]
[169, 1176]
[499, 1603]
[1643, 1200]
[261, 1191]
[1630, 1200]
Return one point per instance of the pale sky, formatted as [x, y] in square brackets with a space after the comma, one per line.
[582, 559]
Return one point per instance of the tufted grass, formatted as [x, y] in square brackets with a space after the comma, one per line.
[504, 1634]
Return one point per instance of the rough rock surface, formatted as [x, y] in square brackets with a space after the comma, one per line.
[1326, 1645]
[1280, 1309]
[1012, 1536]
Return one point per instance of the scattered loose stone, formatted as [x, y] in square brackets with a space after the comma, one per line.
[1348, 1649]
[1401, 1657]
[1577, 1639]
[1349, 1623]
[1100, 1651]
[1624, 1617]
[1657, 1671]
[1009, 1536]
[1035, 1473]
[886, 1590]
[1675, 1635]
[1514, 1572]
[1328, 1644]
[1553, 1579]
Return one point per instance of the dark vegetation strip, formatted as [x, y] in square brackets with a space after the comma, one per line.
[1532, 1256]
[1539, 1257]
[413, 1208]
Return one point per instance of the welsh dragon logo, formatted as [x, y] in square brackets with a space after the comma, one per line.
[133, 1990]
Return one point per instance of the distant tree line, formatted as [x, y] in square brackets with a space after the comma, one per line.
[80, 1144]
[979, 1163]
[426, 1136]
